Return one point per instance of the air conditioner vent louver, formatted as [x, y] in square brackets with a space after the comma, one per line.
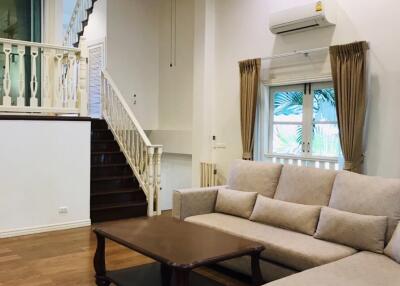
[311, 16]
[298, 29]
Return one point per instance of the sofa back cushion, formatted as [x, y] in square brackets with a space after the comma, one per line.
[296, 217]
[363, 232]
[235, 203]
[252, 176]
[369, 196]
[393, 248]
[309, 186]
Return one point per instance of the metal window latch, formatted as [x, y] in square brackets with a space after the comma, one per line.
[308, 147]
[302, 147]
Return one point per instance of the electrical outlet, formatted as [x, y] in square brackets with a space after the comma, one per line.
[63, 210]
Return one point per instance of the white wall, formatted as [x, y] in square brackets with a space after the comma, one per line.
[241, 32]
[52, 28]
[44, 165]
[133, 55]
[176, 83]
[175, 174]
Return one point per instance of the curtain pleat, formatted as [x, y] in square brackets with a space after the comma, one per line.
[348, 64]
[249, 83]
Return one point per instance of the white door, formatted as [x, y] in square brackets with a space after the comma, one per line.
[96, 64]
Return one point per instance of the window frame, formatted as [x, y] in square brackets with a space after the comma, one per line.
[307, 119]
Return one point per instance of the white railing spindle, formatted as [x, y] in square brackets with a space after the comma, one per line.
[7, 76]
[21, 76]
[34, 82]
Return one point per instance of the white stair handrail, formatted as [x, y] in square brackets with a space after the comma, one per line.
[127, 108]
[143, 157]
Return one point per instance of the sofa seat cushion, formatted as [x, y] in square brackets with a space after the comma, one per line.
[368, 196]
[361, 269]
[292, 249]
[302, 185]
[250, 176]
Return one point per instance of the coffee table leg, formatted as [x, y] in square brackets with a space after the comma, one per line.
[99, 262]
[255, 269]
[182, 277]
[166, 273]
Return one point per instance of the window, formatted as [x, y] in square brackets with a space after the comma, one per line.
[20, 20]
[303, 122]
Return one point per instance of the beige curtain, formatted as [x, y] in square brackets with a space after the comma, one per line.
[249, 83]
[348, 63]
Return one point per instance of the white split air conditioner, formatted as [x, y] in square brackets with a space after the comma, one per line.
[311, 16]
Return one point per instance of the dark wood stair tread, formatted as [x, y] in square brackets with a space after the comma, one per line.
[105, 152]
[113, 178]
[112, 206]
[106, 165]
[115, 192]
[103, 141]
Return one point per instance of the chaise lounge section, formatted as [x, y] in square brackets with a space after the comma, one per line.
[319, 227]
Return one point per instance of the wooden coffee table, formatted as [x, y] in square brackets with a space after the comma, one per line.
[178, 246]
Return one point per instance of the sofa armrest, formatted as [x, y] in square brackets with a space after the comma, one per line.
[195, 201]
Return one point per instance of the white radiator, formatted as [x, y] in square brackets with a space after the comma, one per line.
[208, 174]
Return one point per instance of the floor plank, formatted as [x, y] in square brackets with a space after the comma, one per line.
[65, 258]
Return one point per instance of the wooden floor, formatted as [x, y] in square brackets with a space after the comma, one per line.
[65, 258]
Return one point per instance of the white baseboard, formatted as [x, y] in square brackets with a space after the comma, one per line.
[44, 228]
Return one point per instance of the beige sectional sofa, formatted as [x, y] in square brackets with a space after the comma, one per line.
[319, 227]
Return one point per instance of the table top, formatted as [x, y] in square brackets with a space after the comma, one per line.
[177, 243]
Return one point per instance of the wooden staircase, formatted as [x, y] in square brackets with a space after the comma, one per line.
[79, 20]
[114, 191]
[85, 22]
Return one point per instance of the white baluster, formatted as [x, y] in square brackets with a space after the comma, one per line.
[34, 82]
[7, 76]
[46, 80]
[71, 91]
[83, 82]
[65, 81]
[150, 181]
[157, 169]
[58, 100]
[21, 76]
[136, 148]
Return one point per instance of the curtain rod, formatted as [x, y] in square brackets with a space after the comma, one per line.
[299, 52]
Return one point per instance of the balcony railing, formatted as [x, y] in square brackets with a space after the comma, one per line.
[42, 78]
[319, 163]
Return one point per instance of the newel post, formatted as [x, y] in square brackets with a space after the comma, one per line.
[150, 181]
[157, 169]
[83, 77]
